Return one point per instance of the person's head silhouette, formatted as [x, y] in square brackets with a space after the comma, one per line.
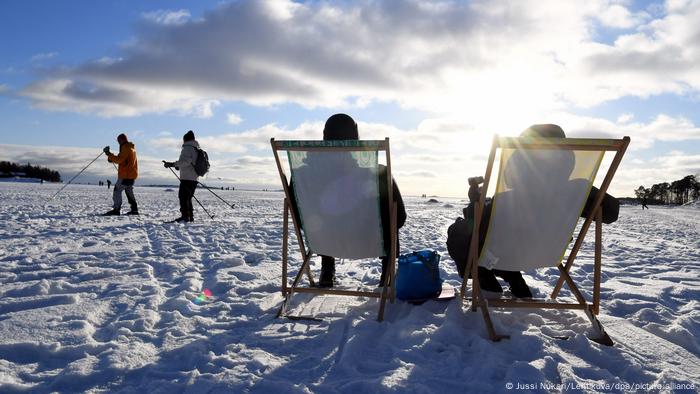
[542, 167]
[340, 127]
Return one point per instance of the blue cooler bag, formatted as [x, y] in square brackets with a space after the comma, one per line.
[418, 275]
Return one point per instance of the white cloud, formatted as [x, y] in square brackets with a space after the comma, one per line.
[40, 57]
[109, 100]
[167, 17]
[662, 128]
[233, 118]
[680, 162]
[624, 118]
[68, 161]
[451, 58]
[618, 16]
[666, 168]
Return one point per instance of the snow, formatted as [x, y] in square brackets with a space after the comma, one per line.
[114, 304]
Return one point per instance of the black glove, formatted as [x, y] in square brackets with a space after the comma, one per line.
[168, 164]
[106, 150]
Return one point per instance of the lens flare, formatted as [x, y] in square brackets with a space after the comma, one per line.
[203, 296]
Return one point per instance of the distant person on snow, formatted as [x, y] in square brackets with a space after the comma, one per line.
[644, 203]
[109, 183]
[188, 176]
[126, 175]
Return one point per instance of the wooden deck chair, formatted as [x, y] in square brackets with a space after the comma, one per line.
[336, 186]
[541, 191]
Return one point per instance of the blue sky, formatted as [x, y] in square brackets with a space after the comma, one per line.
[439, 78]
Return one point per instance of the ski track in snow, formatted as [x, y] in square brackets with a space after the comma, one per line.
[107, 304]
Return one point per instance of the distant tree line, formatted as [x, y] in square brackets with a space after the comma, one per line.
[677, 192]
[8, 169]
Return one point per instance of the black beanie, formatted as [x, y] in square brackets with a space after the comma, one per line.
[189, 136]
[340, 127]
[122, 137]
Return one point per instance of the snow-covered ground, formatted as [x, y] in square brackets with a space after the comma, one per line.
[93, 304]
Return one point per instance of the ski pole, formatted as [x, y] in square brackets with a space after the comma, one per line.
[195, 198]
[71, 180]
[217, 196]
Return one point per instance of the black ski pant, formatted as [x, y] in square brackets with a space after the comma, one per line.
[185, 194]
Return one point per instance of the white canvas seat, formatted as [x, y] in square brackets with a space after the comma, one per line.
[336, 187]
[541, 190]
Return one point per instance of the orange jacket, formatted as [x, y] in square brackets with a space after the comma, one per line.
[128, 165]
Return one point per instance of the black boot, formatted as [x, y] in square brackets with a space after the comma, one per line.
[517, 284]
[327, 272]
[113, 212]
[488, 281]
[134, 208]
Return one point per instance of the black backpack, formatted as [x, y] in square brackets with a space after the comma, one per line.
[201, 165]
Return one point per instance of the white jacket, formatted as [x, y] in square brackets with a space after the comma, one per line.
[188, 156]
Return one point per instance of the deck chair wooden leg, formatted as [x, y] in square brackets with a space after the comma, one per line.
[473, 257]
[597, 260]
[382, 303]
[601, 336]
[476, 289]
[391, 267]
[285, 246]
[487, 319]
[283, 309]
[392, 283]
[389, 289]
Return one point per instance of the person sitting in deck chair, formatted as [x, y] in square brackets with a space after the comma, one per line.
[457, 244]
[343, 127]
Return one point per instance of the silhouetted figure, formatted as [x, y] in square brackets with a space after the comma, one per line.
[109, 184]
[460, 232]
[343, 127]
[644, 203]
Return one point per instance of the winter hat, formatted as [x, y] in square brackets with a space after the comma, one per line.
[549, 165]
[121, 138]
[340, 127]
[189, 136]
[546, 130]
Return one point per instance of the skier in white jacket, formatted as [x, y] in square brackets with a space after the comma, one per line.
[188, 176]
